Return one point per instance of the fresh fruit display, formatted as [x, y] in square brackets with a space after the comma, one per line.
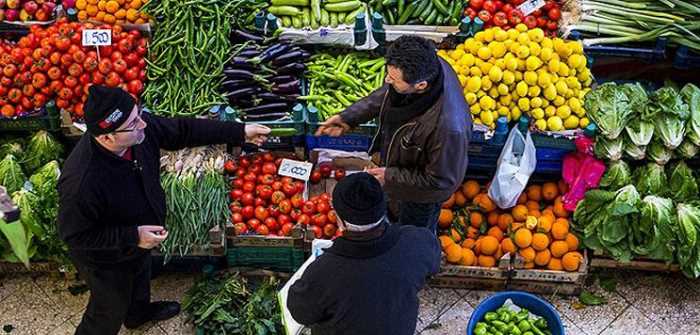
[112, 11]
[51, 63]
[511, 72]
[336, 82]
[27, 10]
[422, 12]
[265, 203]
[477, 233]
[511, 320]
[326, 171]
[507, 14]
[316, 13]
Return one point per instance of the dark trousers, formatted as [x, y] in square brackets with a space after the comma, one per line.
[419, 214]
[116, 295]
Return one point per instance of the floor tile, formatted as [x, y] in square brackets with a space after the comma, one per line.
[67, 328]
[475, 297]
[8, 285]
[453, 321]
[171, 287]
[632, 321]
[591, 319]
[571, 328]
[57, 290]
[693, 283]
[433, 302]
[177, 326]
[30, 312]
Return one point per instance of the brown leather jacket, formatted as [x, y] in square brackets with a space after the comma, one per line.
[426, 159]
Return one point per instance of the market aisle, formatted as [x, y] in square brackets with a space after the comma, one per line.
[639, 304]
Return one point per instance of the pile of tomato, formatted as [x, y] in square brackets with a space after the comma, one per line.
[265, 203]
[51, 63]
[505, 14]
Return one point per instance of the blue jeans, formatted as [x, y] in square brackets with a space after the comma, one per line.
[421, 215]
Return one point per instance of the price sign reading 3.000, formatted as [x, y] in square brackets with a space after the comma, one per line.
[295, 169]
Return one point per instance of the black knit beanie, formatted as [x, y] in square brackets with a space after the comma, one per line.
[359, 199]
[106, 109]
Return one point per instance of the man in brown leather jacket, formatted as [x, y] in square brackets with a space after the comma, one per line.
[424, 130]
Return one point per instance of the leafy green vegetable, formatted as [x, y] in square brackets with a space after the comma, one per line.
[608, 149]
[640, 132]
[11, 175]
[659, 153]
[688, 235]
[684, 187]
[19, 240]
[687, 149]
[590, 299]
[671, 114]
[44, 205]
[691, 96]
[609, 107]
[618, 175]
[654, 236]
[42, 148]
[14, 148]
[633, 151]
[650, 179]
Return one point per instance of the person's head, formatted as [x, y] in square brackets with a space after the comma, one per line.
[113, 118]
[358, 200]
[412, 63]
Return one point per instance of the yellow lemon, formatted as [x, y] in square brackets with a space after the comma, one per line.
[576, 47]
[524, 104]
[541, 124]
[505, 100]
[550, 92]
[470, 97]
[518, 76]
[497, 49]
[500, 35]
[523, 38]
[522, 52]
[511, 64]
[537, 113]
[571, 122]
[508, 77]
[554, 123]
[486, 83]
[550, 111]
[536, 35]
[533, 63]
[486, 117]
[583, 123]
[474, 84]
[513, 34]
[563, 70]
[487, 103]
[536, 102]
[584, 75]
[484, 53]
[553, 65]
[535, 49]
[534, 91]
[521, 89]
[480, 36]
[515, 113]
[561, 87]
[559, 100]
[466, 60]
[563, 111]
[576, 61]
[502, 89]
[485, 67]
[489, 35]
[475, 109]
[521, 27]
[493, 92]
[530, 78]
[475, 71]
[546, 54]
[574, 103]
[501, 63]
[503, 111]
[495, 74]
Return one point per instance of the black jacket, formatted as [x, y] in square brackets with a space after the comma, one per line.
[426, 158]
[103, 197]
[367, 287]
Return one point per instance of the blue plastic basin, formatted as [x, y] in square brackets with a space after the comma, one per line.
[525, 300]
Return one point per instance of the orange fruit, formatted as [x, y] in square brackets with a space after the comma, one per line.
[477, 246]
[496, 232]
[460, 199]
[528, 254]
[468, 243]
[120, 14]
[468, 257]
[455, 235]
[101, 5]
[144, 16]
[520, 213]
[560, 229]
[550, 191]
[92, 10]
[449, 203]
[81, 4]
[470, 189]
[445, 219]
[476, 219]
[489, 245]
[534, 212]
[499, 253]
[540, 241]
[549, 211]
[529, 265]
[523, 238]
[572, 241]
[532, 205]
[507, 245]
[534, 192]
[100, 16]
[555, 264]
[504, 221]
[522, 199]
[140, 21]
[454, 253]
[516, 225]
[445, 241]
[485, 203]
[559, 248]
[571, 261]
[492, 219]
[472, 232]
[92, 2]
[563, 187]
[545, 222]
[132, 15]
[559, 210]
[109, 18]
[135, 4]
[542, 257]
[487, 261]
[82, 15]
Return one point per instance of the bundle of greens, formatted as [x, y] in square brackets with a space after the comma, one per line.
[691, 96]
[13, 148]
[609, 149]
[11, 175]
[225, 304]
[41, 149]
[687, 149]
[640, 129]
[651, 179]
[659, 153]
[654, 237]
[617, 175]
[609, 107]
[671, 115]
[684, 187]
[688, 216]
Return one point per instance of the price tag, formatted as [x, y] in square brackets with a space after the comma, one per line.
[323, 32]
[97, 37]
[530, 6]
[295, 169]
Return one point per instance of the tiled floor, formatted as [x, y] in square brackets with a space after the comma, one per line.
[640, 304]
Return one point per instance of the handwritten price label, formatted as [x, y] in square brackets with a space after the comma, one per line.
[530, 6]
[97, 37]
[295, 169]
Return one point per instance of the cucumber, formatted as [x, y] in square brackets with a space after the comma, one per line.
[286, 21]
[283, 132]
[298, 3]
[341, 17]
[284, 10]
[350, 18]
[306, 17]
[343, 6]
[334, 20]
[325, 18]
[296, 22]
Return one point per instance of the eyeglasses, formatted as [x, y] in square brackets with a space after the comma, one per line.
[133, 125]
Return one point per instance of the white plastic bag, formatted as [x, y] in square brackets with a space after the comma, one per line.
[515, 165]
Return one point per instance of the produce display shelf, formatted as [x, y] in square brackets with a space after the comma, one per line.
[686, 59]
[296, 122]
[34, 267]
[283, 259]
[642, 52]
[473, 277]
[31, 123]
[548, 281]
[215, 248]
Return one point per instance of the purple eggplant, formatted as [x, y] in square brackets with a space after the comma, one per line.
[271, 52]
[241, 63]
[293, 68]
[241, 92]
[266, 117]
[287, 88]
[240, 36]
[289, 57]
[273, 107]
[248, 53]
[281, 79]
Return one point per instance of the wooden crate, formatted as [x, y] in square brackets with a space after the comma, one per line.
[602, 261]
[473, 277]
[299, 238]
[547, 281]
[215, 248]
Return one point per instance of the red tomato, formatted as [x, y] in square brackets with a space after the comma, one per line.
[131, 74]
[476, 4]
[261, 213]
[265, 192]
[236, 218]
[326, 170]
[254, 224]
[230, 167]
[309, 208]
[75, 70]
[237, 183]
[250, 177]
[551, 25]
[340, 173]
[235, 207]
[14, 95]
[113, 79]
[248, 199]
[325, 197]
[278, 162]
[269, 168]
[485, 16]
[287, 180]
[286, 229]
[315, 176]
[119, 66]
[272, 224]
[500, 19]
[277, 197]
[319, 219]
[10, 70]
[241, 172]
[268, 157]
[125, 46]
[236, 194]
[262, 230]
[105, 66]
[530, 22]
[515, 17]
[277, 185]
[554, 14]
[240, 228]
[295, 214]
[255, 168]
[507, 8]
[541, 22]
[66, 59]
[244, 162]
[248, 186]
[329, 230]
[332, 216]
[285, 206]
[260, 202]
[489, 6]
[284, 219]
[499, 4]
[323, 207]
[248, 212]
[274, 211]
[289, 189]
[297, 201]
[39, 80]
[267, 179]
[318, 233]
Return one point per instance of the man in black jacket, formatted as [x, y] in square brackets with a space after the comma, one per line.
[112, 206]
[368, 281]
[424, 130]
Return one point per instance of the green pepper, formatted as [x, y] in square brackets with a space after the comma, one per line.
[504, 316]
[528, 333]
[536, 331]
[524, 325]
[541, 323]
[515, 331]
[490, 316]
[480, 331]
[500, 325]
[481, 325]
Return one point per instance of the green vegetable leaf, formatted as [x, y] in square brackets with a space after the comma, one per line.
[19, 239]
[683, 184]
[691, 96]
[590, 299]
[618, 175]
[609, 107]
[651, 180]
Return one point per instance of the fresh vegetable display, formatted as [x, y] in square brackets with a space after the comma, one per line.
[425, 12]
[618, 22]
[27, 10]
[477, 233]
[336, 82]
[51, 63]
[111, 11]
[263, 82]
[510, 319]
[189, 51]
[195, 192]
[511, 72]
[226, 303]
[507, 14]
[11, 175]
[316, 13]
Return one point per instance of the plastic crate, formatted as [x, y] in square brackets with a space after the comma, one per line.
[31, 123]
[686, 59]
[297, 122]
[268, 258]
[642, 51]
[357, 139]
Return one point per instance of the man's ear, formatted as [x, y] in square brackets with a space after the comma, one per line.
[105, 138]
[421, 85]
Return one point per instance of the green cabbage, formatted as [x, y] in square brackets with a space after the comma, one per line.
[659, 153]
[617, 176]
[14, 148]
[640, 132]
[11, 175]
[609, 107]
[691, 96]
[655, 236]
[671, 114]
[608, 149]
[651, 179]
[633, 151]
[42, 148]
[683, 184]
[688, 216]
[687, 149]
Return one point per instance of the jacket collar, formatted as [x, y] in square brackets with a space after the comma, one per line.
[367, 248]
[102, 151]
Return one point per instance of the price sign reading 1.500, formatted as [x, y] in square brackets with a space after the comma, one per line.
[97, 37]
[295, 169]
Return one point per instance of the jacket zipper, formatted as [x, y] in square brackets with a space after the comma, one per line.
[391, 143]
[379, 130]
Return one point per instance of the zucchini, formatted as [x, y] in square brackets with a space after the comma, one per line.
[325, 18]
[286, 21]
[334, 19]
[297, 3]
[281, 132]
[346, 6]
[350, 18]
[284, 10]
[296, 22]
[306, 17]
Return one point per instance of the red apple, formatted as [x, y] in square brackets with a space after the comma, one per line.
[31, 7]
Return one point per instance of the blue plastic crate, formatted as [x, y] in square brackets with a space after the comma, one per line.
[642, 51]
[686, 59]
[345, 143]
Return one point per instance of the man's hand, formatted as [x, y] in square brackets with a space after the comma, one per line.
[335, 126]
[151, 236]
[377, 173]
[256, 134]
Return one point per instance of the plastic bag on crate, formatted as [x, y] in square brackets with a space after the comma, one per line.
[515, 165]
[581, 171]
